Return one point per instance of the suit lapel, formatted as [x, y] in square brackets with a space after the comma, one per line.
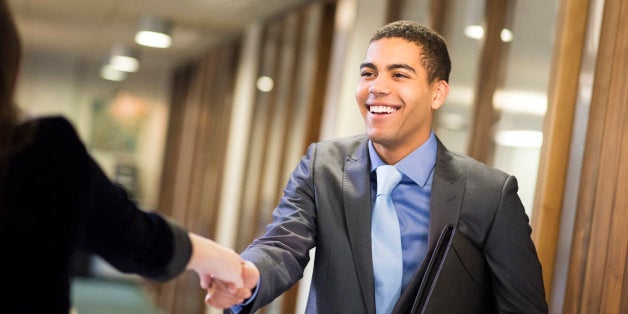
[356, 191]
[447, 192]
[445, 202]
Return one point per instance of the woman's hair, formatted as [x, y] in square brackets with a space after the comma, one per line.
[10, 55]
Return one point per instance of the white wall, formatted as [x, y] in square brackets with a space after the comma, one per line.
[52, 84]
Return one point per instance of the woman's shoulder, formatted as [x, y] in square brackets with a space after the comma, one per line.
[48, 125]
[55, 128]
[52, 134]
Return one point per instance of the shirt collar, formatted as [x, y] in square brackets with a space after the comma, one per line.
[417, 166]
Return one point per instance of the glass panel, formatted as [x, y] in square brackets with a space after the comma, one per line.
[416, 10]
[453, 118]
[251, 225]
[522, 100]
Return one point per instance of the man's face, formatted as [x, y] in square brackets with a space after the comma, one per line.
[394, 96]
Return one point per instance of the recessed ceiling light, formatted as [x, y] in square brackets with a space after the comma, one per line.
[519, 138]
[109, 73]
[154, 32]
[265, 83]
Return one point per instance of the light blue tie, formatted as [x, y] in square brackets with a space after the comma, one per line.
[386, 242]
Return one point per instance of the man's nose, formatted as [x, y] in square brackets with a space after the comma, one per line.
[378, 87]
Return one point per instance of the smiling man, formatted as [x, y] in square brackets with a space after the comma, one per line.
[397, 96]
[370, 253]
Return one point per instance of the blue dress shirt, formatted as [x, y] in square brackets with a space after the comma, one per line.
[412, 201]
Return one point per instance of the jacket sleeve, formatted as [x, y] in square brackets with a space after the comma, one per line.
[112, 225]
[511, 255]
[282, 252]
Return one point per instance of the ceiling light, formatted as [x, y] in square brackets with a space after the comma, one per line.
[474, 31]
[265, 83]
[477, 32]
[473, 18]
[519, 138]
[109, 73]
[124, 58]
[506, 35]
[520, 101]
[154, 32]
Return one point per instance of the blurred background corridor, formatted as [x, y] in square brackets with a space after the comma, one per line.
[202, 108]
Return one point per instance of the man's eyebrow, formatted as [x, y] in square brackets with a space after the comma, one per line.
[390, 67]
[401, 66]
[367, 65]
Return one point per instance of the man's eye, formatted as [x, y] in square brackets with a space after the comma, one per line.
[367, 74]
[400, 75]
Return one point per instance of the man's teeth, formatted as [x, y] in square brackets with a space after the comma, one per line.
[382, 109]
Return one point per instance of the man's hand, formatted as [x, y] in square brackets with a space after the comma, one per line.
[224, 295]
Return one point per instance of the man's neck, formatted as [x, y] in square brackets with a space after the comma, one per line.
[392, 154]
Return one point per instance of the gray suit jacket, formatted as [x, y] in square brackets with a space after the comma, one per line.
[327, 205]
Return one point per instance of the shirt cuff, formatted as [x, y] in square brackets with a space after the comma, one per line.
[238, 307]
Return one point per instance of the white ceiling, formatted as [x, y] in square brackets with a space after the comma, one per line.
[89, 28]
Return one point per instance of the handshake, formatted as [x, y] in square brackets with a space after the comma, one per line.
[227, 278]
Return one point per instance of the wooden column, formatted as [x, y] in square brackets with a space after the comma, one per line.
[488, 80]
[557, 132]
[319, 81]
[438, 16]
[393, 11]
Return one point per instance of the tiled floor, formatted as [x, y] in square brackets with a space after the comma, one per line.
[101, 289]
[110, 296]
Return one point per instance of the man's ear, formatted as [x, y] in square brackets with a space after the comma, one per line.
[441, 90]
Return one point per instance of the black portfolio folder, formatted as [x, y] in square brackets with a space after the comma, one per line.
[457, 278]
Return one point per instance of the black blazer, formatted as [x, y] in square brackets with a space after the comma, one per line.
[55, 200]
[327, 205]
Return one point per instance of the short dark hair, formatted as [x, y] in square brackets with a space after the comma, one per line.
[434, 53]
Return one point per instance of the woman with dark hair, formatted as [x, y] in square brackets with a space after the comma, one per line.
[55, 199]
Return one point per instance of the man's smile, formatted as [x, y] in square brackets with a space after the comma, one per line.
[382, 109]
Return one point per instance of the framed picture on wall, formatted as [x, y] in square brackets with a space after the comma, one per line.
[116, 123]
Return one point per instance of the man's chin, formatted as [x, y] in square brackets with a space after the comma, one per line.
[379, 139]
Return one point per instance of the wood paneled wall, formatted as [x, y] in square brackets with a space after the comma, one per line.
[195, 154]
[295, 52]
[598, 277]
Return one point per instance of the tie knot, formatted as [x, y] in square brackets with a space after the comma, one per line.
[387, 179]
